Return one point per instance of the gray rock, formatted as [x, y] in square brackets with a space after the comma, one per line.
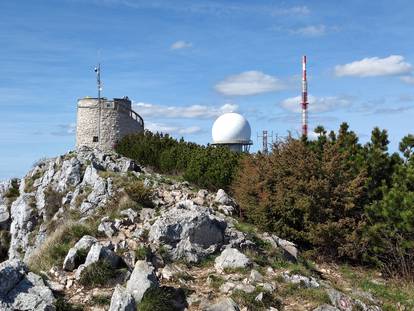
[345, 303]
[21, 291]
[130, 214]
[255, 276]
[84, 244]
[100, 252]
[191, 232]
[107, 227]
[122, 300]
[224, 304]
[4, 216]
[142, 278]
[308, 282]
[231, 258]
[11, 273]
[69, 175]
[32, 294]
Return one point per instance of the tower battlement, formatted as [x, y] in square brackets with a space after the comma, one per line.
[101, 123]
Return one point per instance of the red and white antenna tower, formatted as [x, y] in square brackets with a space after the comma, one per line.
[304, 99]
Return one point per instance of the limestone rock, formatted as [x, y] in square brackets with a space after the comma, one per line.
[84, 244]
[191, 232]
[21, 291]
[122, 300]
[231, 258]
[11, 272]
[223, 198]
[4, 215]
[224, 304]
[142, 278]
[308, 282]
[107, 227]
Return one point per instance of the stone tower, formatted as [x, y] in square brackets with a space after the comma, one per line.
[102, 123]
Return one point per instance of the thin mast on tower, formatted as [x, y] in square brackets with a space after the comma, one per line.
[99, 85]
[304, 99]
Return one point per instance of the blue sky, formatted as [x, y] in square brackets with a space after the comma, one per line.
[183, 63]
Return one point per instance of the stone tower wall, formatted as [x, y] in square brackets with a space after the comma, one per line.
[117, 120]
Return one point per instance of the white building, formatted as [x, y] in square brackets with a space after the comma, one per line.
[233, 131]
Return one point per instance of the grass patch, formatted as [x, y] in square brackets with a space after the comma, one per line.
[13, 192]
[158, 298]
[249, 300]
[296, 291]
[143, 253]
[83, 194]
[139, 193]
[97, 274]
[101, 300]
[63, 305]
[53, 202]
[395, 294]
[29, 182]
[54, 249]
[216, 281]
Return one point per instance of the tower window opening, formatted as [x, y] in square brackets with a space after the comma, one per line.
[95, 139]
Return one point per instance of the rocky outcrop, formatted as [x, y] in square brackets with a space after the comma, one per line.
[231, 258]
[83, 245]
[20, 290]
[224, 304]
[122, 300]
[189, 231]
[142, 278]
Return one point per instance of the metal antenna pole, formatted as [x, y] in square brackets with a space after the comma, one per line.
[99, 85]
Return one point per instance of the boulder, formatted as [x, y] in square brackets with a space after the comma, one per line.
[223, 198]
[32, 294]
[130, 214]
[231, 258]
[21, 291]
[191, 232]
[142, 278]
[84, 244]
[122, 300]
[107, 227]
[224, 304]
[4, 216]
[11, 273]
[308, 282]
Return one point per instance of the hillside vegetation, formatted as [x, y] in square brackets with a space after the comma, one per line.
[338, 199]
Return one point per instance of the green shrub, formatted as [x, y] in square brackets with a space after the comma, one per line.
[13, 192]
[63, 305]
[249, 300]
[204, 166]
[97, 274]
[160, 299]
[139, 193]
[142, 253]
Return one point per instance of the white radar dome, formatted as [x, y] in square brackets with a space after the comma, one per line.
[231, 128]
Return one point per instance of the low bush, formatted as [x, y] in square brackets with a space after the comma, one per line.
[249, 301]
[139, 193]
[142, 253]
[97, 274]
[208, 167]
[160, 299]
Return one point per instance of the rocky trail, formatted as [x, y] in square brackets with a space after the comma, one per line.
[95, 231]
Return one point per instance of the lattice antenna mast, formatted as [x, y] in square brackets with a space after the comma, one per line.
[304, 103]
[265, 141]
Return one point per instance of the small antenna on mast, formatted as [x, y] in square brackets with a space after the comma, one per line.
[99, 85]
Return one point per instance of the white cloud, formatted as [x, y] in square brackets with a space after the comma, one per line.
[171, 129]
[249, 83]
[374, 66]
[310, 31]
[179, 45]
[316, 104]
[65, 130]
[193, 111]
[407, 79]
[294, 10]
